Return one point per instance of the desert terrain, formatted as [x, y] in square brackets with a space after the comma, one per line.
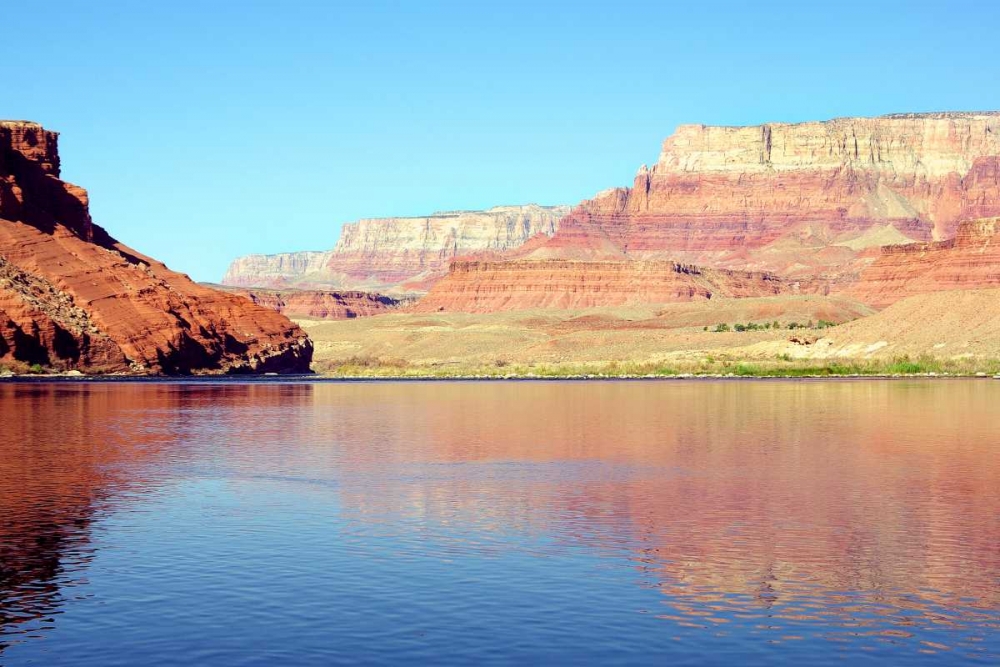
[941, 333]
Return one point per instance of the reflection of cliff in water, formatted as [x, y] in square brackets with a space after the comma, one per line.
[867, 507]
[71, 453]
[794, 499]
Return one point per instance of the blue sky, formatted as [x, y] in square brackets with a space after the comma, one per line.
[207, 130]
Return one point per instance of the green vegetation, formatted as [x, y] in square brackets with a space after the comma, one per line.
[20, 368]
[783, 365]
[754, 326]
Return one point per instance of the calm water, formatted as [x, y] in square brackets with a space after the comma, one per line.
[620, 522]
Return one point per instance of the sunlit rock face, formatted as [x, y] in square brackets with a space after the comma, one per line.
[322, 304]
[970, 260]
[72, 297]
[491, 286]
[399, 254]
[806, 199]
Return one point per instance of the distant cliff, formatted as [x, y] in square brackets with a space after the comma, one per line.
[801, 199]
[810, 202]
[971, 260]
[275, 270]
[72, 297]
[321, 304]
[398, 254]
[491, 286]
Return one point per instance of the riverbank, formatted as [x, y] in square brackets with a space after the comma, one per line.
[938, 335]
[739, 372]
[705, 368]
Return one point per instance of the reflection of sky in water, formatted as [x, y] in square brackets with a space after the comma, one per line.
[308, 524]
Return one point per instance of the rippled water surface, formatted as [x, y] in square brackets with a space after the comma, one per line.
[620, 522]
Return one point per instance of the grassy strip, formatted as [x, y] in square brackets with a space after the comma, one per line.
[777, 367]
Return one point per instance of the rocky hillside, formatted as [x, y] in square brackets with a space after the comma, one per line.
[398, 254]
[491, 286]
[944, 324]
[806, 199]
[72, 297]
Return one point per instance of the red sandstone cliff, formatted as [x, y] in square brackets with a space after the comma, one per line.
[483, 287]
[801, 199]
[811, 202]
[971, 260]
[322, 305]
[72, 297]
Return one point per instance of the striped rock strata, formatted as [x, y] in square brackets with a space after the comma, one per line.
[72, 297]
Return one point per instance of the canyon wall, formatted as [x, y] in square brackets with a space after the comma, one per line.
[322, 305]
[275, 270]
[811, 202]
[490, 286]
[803, 199]
[971, 260]
[72, 297]
[398, 254]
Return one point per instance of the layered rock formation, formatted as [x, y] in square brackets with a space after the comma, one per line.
[72, 297]
[398, 254]
[322, 305]
[801, 199]
[812, 202]
[490, 286]
[277, 270]
[971, 260]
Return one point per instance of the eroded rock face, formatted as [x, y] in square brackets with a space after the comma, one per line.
[398, 254]
[277, 270]
[801, 199]
[72, 297]
[491, 286]
[322, 305]
[971, 260]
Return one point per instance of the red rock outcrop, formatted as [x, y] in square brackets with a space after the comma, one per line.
[72, 297]
[801, 199]
[399, 255]
[971, 260]
[490, 286]
[322, 305]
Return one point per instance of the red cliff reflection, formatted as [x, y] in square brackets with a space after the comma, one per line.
[70, 452]
[793, 497]
[873, 506]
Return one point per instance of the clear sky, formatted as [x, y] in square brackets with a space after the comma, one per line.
[207, 130]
